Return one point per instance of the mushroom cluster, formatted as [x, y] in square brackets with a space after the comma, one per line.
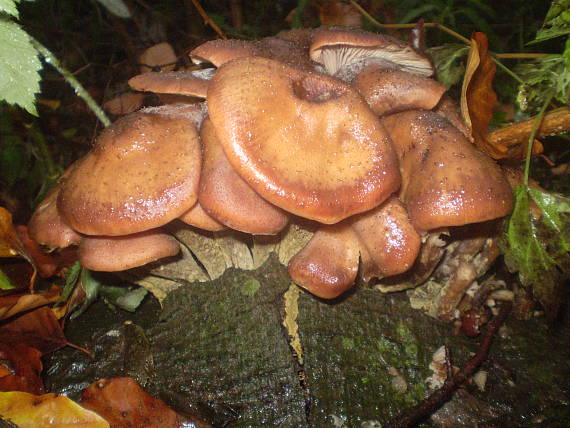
[342, 127]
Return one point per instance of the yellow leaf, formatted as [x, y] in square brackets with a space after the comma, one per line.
[48, 410]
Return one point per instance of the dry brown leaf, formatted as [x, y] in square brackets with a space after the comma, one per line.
[161, 55]
[125, 103]
[14, 303]
[21, 368]
[336, 12]
[39, 329]
[46, 411]
[478, 97]
[123, 403]
[10, 243]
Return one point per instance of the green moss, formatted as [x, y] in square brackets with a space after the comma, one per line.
[250, 287]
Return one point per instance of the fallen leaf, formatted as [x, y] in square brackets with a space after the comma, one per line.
[478, 97]
[46, 264]
[161, 56]
[50, 410]
[21, 368]
[10, 243]
[123, 403]
[39, 329]
[13, 304]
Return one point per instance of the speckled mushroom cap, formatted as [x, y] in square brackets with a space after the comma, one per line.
[337, 47]
[192, 83]
[142, 172]
[304, 141]
[390, 90]
[219, 52]
[446, 180]
[328, 264]
[390, 241]
[228, 198]
[116, 253]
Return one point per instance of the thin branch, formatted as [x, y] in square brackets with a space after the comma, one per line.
[209, 20]
[412, 416]
[73, 82]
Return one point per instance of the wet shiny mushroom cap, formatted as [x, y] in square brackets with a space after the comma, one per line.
[304, 141]
[446, 180]
[142, 173]
[191, 83]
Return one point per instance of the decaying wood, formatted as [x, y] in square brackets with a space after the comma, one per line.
[555, 122]
[428, 406]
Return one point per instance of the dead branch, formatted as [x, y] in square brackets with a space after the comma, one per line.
[208, 20]
[555, 122]
[413, 415]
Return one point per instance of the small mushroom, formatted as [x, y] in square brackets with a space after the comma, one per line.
[229, 199]
[390, 90]
[190, 83]
[446, 180]
[304, 141]
[341, 48]
[142, 173]
[116, 253]
[328, 264]
[46, 226]
[390, 241]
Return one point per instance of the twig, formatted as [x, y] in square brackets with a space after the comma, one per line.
[73, 82]
[209, 20]
[554, 122]
[413, 415]
[537, 121]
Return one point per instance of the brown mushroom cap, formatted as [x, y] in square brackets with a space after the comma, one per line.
[389, 90]
[449, 109]
[336, 48]
[390, 241]
[219, 52]
[115, 253]
[46, 226]
[192, 83]
[304, 141]
[142, 173]
[446, 180]
[328, 264]
[197, 217]
[227, 198]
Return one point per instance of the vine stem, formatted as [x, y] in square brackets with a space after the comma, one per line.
[51, 59]
[535, 126]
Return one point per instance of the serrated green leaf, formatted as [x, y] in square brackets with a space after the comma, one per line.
[536, 249]
[9, 7]
[5, 283]
[19, 67]
[556, 23]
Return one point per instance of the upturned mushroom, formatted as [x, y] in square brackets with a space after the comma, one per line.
[304, 141]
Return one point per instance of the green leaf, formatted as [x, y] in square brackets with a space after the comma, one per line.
[91, 287]
[538, 250]
[19, 67]
[5, 283]
[448, 62]
[556, 23]
[125, 298]
[9, 7]
[545, 78]
[70, 282]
